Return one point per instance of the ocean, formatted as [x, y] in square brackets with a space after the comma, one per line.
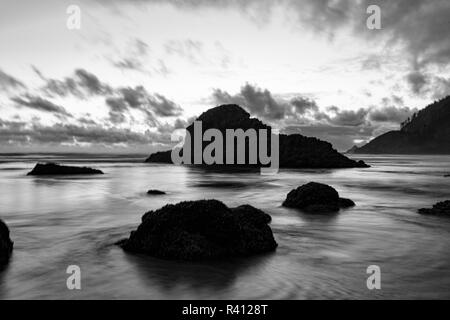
[60, 221]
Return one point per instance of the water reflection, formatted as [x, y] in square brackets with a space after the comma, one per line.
[211, 276]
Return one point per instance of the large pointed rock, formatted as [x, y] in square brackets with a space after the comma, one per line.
[296, 151]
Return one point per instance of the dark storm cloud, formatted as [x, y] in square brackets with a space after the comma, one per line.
[9, 82]
[40, 104]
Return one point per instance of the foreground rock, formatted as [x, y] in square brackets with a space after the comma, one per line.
[6, 245]
[439, 209]
[296, 151]
[316, 197]
[155, 192]
[42, 169]
[204, 229]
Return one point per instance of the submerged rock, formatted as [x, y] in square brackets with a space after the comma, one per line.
[42, 169]
[155, 192]
[203, 229]
[439, 209]
[316, 197]
[6, 245]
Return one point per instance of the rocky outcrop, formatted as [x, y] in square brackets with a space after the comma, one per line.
[204, 229]
[155, 192]
[296, 151]
[44, 169]
[316, 198]
[439, 209]
[426, 132]
[6, 245]
[160, 157]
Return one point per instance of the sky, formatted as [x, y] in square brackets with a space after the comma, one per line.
[137, 70]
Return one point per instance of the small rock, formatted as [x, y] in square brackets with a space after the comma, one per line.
[44, 169]
[199, 230]
[155, 192]
[316, 197]
[439, 209]
[6, 245]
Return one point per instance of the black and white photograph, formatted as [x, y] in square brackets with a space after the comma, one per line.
[224, 150]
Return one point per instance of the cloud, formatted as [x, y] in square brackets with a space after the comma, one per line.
[421, 83]
[416, 30]
[303, 105]
[341, 127]
[87, 135]
[421, 26]
[91, 83]
[192, 50]
[134, 59]
[119, 100]
[257, 101]
[417, 81]
[138, 98]
[9, 82]
[40, 104]
[81, 84]
[391, 114]
[349, 117]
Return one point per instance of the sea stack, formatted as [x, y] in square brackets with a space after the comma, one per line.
[295, 151]
[202, 230]
[47, 169]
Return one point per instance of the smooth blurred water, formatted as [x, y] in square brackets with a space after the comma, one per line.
[60, 221]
